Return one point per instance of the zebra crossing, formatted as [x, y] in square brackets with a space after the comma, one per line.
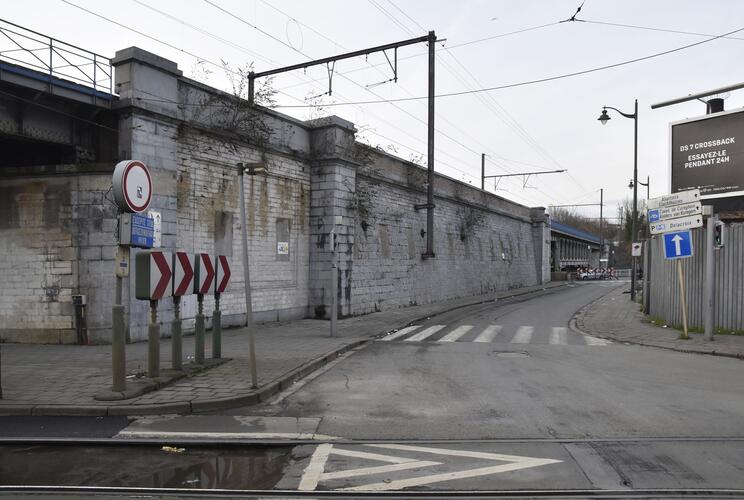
[525, 334]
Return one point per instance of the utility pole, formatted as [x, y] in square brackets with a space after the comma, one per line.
[601, 227]
[483, 170]
[432, 38]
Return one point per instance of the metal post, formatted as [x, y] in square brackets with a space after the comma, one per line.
[176, 337]
[217, 328]
[483, 170]
[334, 283]
[682, 298]
[430, 151]
[247, 281]
[709, 297]
[118, 342]
[601, 233]
[648, 187]
[199, 331]
[251, 87]
[51, 64]
[153, 342]
[635, 202]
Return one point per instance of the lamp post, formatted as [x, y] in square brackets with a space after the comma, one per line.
[243, 170]
[648, 189]
[604, 118]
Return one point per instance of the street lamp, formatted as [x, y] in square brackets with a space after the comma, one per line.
[604, 118]
[243, 170]
[648, 189]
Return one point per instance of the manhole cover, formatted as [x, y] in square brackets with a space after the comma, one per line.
[510, 354]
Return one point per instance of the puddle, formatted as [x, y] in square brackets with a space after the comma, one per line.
[143, 466]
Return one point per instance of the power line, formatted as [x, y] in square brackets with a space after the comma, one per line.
[541, 80]
[649, 28]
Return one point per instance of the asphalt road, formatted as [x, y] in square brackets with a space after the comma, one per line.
[499, 396]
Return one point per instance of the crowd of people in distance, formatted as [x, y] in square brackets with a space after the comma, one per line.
[595, 273]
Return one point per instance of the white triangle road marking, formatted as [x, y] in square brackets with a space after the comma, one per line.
[456, 333]
[428, 332]
[488, 333]
[523, 335]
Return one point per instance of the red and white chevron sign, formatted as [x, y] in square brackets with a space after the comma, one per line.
[221, 273]
[153, 275]
[183, 273]
[203, 273]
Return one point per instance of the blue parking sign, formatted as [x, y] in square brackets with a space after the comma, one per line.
[678, 245]
[654, 215]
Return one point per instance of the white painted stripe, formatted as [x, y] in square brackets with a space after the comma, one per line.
[425, 333]
[219, 435]
[401, 332]
[452, 453]
[523, 335]
[558, 335]
[311, 475]
[595, 340]
[456, 333]
[372, 456]
[488, 333]
[366, 471]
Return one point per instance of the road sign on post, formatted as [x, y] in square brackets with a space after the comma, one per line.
[203, 277]
[221, 273]
[183, 279]
[153, 275]
[132, 186]
[678, 245]
[221, 279]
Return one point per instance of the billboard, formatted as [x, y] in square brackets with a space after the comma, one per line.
[708, 153]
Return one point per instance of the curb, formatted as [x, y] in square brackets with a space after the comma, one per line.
[573, 325]
[251, 398]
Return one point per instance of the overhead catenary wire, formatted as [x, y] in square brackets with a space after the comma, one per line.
[541, 80]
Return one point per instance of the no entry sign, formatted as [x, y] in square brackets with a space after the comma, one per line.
[222, 273]
[153, 275]
[183, 273]
[132, 186]
[203, 273]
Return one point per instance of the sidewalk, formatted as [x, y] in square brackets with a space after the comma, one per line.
[62, 379]
[615, 317]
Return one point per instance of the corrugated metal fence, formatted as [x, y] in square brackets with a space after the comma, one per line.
[664, 286]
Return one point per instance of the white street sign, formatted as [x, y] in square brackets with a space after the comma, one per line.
[674, 199]
[635, 250]
[315, 471]
[678, 224]
[157, 221]
[684, 210]
[132, 186]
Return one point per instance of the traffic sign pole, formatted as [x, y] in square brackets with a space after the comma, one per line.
[199, 331]
[153, 342]
[176, 336]
[683, 299]
[709, 299]
[217, 328]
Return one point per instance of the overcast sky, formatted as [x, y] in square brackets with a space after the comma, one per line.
[545, 126]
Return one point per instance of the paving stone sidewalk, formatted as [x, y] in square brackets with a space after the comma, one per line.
[63, 379]
[615, 317]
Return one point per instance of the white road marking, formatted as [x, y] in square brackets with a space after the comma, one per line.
[517, 463]
[367, 471]
[488, 333]
[595, 340]
[401, 332]
[425, 333]
[558, 335]
[371, 456]
[523, 335]
[456, 333]
[220, 435]
[311, 475]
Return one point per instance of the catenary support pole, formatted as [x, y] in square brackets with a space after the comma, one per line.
[153, 342]
[682, 298]
[709, 296]
[430, 151]
[634, 260]
[176, 337]
[118, 341]
[483, 170]
[199, 331]
[217, 328]
[601, 227]
[247, 283]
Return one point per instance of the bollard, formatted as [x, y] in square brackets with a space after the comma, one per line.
[199, 332]
[176, 339]
[217, 329]
[153, 342]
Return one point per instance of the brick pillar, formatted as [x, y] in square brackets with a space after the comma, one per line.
[541, 244]
[332, 186]
[148, 131]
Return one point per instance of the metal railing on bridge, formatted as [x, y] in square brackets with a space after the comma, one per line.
[58, 60]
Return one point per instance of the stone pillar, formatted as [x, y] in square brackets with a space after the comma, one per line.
[541, 244]
[148, 131]
[332, 186]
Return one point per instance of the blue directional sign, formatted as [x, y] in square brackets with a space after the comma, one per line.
[678, 245]
[143, 231]
[654, 215]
